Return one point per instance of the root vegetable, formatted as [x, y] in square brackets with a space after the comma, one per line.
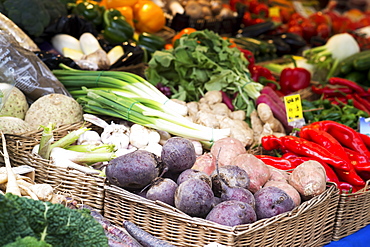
[193, 108]
[256, 169]
[238, 115]
[212, 97]
[272, 201]
[133, 170]
[221, 109]
[228, 148]
[289, 189]
[12, 186]
[56, 108]
[205, 163]
[207, 119]
[231, 176]
[194, 197]
[309, 179]
[162, 189]
[191, 173]
[267, 116]
[232, 213]
[194, 10]
[43, 191]
[178, 154]
[278, 175]
[239, 194]
[144, 238]
[16, 104]
[14, 125]
[26, 191]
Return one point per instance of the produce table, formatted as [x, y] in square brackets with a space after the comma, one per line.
[358, 239]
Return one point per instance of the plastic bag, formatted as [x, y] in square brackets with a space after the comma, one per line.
[31, 75]
[7, 79]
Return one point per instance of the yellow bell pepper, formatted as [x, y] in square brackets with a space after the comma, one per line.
[148, 16]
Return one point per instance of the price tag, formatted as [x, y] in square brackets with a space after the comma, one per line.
[364, 125]
[293, 106]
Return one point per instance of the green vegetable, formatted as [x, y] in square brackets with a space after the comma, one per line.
[116, 28]
[130, 97]
[32, 16]
[90, 11]
[54, 224]
[28, 242]
[203, 61]
[328, 57]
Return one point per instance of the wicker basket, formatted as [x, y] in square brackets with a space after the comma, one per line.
[353, 213]
[310, 224]
[89, 188]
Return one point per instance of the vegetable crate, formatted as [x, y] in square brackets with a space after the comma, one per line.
[352, 213]
[88, 188]
[310, 224]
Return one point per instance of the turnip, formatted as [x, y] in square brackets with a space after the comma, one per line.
[272, 201]
[162, 189]
[191, 173]
[178, 154]
[232, 213]
[133, 170]
[231, 175]
[194, 197]
[238, 194]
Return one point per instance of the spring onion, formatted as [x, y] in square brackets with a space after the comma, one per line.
[328, 56]
[128, 96]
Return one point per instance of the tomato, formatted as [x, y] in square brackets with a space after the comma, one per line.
[148, 16]
[308, 29]
[319, 18]
[295, 29]
[128, 13]
[186, 30]
[119, 3]
[323, 30]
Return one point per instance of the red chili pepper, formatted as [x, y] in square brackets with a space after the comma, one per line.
[331, 92]
[347, 136]
[294, 79]
[365, 139]
[277, 162]
[305, 148]
[344, 82]
[289, 155]
[325, 140]
[363, 103]
[346, 188]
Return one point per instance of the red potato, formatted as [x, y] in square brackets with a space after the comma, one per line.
[226, 149]
[309, 179]
[290, 190]
[205, 163]
[257, 170]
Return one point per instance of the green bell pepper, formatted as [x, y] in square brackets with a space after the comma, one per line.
[116, 28]
[90, 11]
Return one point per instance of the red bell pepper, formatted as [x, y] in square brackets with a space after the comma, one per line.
[305, 148]
[264, 76]
[249, 56]
[294, 79]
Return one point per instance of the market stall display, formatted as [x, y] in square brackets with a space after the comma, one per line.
[233, 123]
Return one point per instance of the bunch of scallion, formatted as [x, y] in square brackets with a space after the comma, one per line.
[128, 96]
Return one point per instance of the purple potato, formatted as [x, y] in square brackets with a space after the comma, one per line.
[232, 213]
[178, 154]
[272, 201]
[194, 197]
[239, 194]
[191, 173]
[134, 170]
[163, 189]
